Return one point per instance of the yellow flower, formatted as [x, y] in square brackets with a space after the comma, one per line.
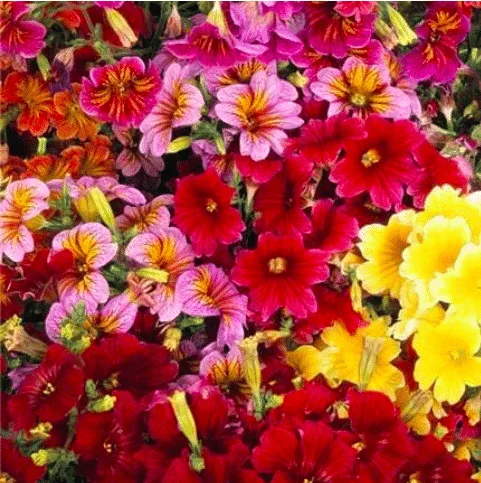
[410, 316]
[363, 358]
[415, 407]
[382, 246]
[306, 360]
[435, 251]
[448, 202]
[447, 357]
[461, 286]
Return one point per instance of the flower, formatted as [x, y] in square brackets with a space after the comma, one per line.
[48, 392]
[434, 252]
[447, 357]
[47, 167]
[19, 36]
[363, 358]
[92, 247]
[458, 286]
[435, 58]
[331, 33]
[120, 93]
[382, 246]
[179, 104]
[280, 273]
[203, 212]
[206, 291]
[381, 164]
[16, 466]
[68, 117]
[361, 89]
[166, 250]
[31, 93]
[261, 111]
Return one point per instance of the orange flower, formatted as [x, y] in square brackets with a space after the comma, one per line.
[93, 159]
[69, 119]
[34, 99]
[48, 167]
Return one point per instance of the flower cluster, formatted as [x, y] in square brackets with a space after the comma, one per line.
[240, 242]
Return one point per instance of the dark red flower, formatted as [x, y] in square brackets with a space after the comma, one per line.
[257, 171]
[122, 361]
[279, 203]
[381, 164]
[333, 230]
[107, 442]
[309, 452]
[9, 300]
[280, 273]
[203, 211]
[16, 467]
[321, 142]
[49, 392]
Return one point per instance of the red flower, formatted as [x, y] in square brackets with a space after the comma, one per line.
[9, 302]
[309, 452]
[49, 392]
[382, 438]
[280, 273]
[203, 211]
[333, 230]
[380, 164]
[321, 141]
[122, 362]
[107, 442]
[280, 204]
[16, 467]
[257, 171]
[436, 170]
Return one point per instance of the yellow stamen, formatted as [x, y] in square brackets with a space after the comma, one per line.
[370, 157]
[277, 265]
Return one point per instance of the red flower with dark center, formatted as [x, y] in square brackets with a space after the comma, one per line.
[122, 361]
[107, 442]
[17, 468]
[280, 204]
[49, 392]
[203, 211]
[333, 230]
[311, 452]
[280, 273]
[381, 164]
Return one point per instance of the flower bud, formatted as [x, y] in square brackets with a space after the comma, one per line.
[15, 339]
[252, 367]
[179, 144]
[367, 365]
[155, 274]
[404, 33]
[216, 17]
[173, 27]
[121, 27]
[103, 207]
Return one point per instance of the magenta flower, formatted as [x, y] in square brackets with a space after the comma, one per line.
[17, 35]
[121, 93]
[179, 104]
[260, 111]
[206, 291]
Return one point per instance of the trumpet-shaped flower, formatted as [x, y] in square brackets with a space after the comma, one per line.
[447, 357]
[92, 247]
[437, 248]
[206, 291]
[166, 250]
[121, 93]
[364, 358]
[178, 105]
[261, 112]
[382, 246]
[362, 89]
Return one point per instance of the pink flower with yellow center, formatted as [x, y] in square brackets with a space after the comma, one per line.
[166, 251]
[261, 112]
[361, 89]
[121, 93]
[206, 291]
[92, 247]
[23, 201]
[178, 105]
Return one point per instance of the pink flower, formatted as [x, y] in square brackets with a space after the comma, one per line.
[178, 104]
[17, 35]
[206, 291]
[261, 111]
[121, 93]
[92, 247]
[361, 89]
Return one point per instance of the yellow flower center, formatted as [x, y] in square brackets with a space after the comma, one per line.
[49, 389]
[455, 355]
[370, 157]
[358, 99]
[108, 447]
[277, 265]
[210, 205]
[6, 478]
[359, 446]
[414, 478]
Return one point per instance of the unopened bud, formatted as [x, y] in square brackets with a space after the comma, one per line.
[121, 27]
[173, 27]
